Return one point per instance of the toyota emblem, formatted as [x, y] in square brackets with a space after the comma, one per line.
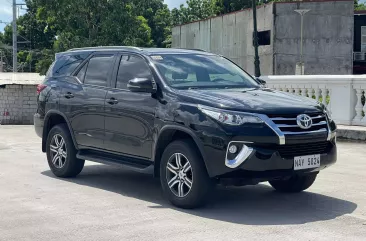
[304, 121]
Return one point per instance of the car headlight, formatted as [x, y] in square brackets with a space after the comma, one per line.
[230, 118]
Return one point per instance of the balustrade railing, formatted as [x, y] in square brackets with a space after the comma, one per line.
[344, 95]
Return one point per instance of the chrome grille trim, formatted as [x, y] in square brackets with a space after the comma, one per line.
[317, 124]
[305, 132]
[289, 126]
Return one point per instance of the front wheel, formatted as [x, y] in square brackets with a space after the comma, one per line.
[294, 184]
[183, 175]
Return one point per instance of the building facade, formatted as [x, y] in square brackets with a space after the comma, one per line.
[359, 43]
[327, 37]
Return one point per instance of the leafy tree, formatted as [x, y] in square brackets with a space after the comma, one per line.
[195, 10]
[158, 17]
[359, 6]
[32, 38]
[227, 6]
[44, 63]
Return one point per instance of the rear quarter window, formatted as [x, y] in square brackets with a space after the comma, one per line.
[66, 64]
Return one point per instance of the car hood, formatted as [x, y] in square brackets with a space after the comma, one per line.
[265, 101]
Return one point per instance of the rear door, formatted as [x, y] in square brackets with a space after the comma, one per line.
[83, 100]
[130, 116]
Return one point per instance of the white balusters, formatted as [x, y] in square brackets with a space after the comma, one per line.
[364, 110]
[359, 106]
[310, 92]
[303, 92]
[317, 94]
[329, 106]
[324, 96]
[297, 91]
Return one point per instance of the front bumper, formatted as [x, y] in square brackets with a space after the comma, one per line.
[268, 161]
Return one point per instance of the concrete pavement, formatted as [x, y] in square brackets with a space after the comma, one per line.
[108, 203]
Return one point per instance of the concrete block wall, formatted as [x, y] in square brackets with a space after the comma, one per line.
[328, 37]
[18, 103]
[231, 36]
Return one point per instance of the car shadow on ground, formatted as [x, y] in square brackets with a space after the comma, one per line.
[251, 205]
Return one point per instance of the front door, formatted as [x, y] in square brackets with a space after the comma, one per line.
[130, 116]
[84, 101]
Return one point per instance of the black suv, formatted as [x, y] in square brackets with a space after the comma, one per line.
[191, 118]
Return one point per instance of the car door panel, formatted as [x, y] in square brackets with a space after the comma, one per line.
[129, 115]
[84, 103]
[129, 123]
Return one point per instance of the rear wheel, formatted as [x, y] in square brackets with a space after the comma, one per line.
[183, 175]
[294, 184]
[61, 153]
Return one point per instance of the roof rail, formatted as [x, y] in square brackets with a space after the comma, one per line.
[194, 49]
[105, 47]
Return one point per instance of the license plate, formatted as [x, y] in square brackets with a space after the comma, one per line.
[306, 162]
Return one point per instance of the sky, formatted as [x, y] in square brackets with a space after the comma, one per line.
[173, 3]
[6, 12]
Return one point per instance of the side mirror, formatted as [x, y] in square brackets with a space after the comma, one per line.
[141, 85]
[260, 81]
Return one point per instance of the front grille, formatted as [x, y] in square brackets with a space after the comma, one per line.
[288, 124]
[290, 151]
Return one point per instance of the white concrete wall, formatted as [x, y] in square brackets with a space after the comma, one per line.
[231, 36]
[327, 37]
[21, 78]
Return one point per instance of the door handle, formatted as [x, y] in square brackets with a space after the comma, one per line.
[69, 95]
[112, 101]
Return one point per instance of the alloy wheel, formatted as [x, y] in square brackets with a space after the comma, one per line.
[58, 151]
[179, 175]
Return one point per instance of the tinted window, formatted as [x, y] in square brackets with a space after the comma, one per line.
[66, 64]
[98, 69]
[202, 71]
[131, 67]
[82, 71]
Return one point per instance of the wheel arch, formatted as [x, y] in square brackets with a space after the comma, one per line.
[171, 133]
[51, 119]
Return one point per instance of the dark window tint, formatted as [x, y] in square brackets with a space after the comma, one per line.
[82, 71]
[65, 64]
[131, 67]
[98, 69]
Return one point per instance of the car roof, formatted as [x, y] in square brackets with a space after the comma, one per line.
[146, 51]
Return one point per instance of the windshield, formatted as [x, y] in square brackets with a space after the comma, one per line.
[189, 71]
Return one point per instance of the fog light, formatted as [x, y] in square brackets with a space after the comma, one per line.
[240, 158]
[233, 149]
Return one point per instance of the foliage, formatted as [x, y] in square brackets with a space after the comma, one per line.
[195, 10]
[359, 6]
[49, 27]
[227, 6]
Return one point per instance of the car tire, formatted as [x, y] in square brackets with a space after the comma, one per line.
[294, 184]
[192, 185]
[61, 153]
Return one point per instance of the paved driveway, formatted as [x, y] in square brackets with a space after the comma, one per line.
[107, 203]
